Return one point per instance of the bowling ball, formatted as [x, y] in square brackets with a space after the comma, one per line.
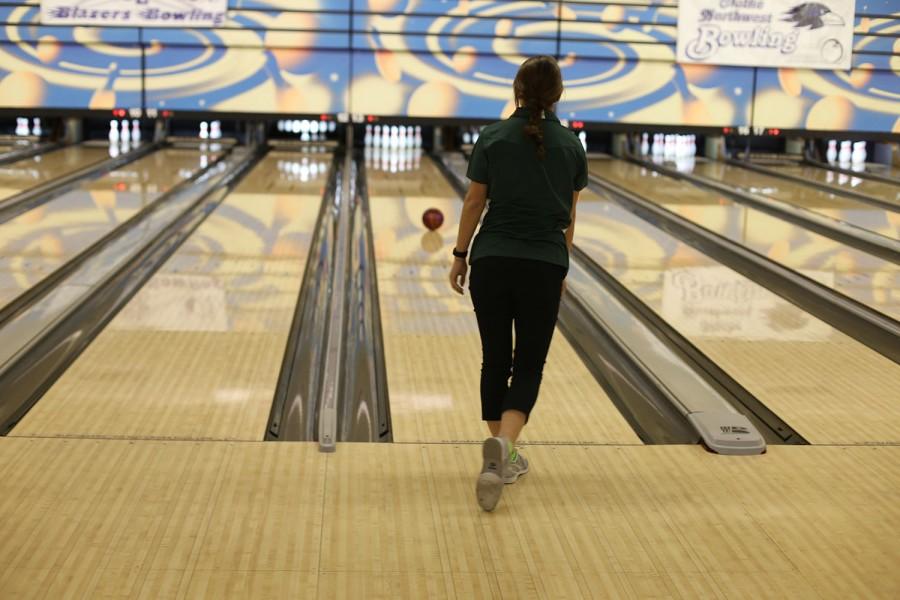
[432, 219]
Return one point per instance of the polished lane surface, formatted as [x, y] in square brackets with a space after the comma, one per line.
[836, 206]
[828, 386]
[197, 352]
[432, 346]
[869, 187]
[36, 242]
[861, 276]
[30, 172]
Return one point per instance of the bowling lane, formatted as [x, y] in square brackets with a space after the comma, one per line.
[37, 242]
[869, 187]
[197, 352]
[30, 172]
[828, 386]
[432, 346]
[861, 214]
[861, 276]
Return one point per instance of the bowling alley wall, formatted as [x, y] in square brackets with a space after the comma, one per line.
[440, 58]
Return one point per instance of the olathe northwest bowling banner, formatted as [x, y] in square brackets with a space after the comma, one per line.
[766, 33]
[135, 13]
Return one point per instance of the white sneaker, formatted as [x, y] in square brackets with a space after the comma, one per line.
[495, 454]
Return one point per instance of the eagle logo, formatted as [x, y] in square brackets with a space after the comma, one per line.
[813, 15]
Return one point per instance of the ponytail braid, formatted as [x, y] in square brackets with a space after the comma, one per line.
[537, 87]
[535, 132]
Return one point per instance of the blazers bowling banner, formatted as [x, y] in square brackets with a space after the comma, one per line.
[816, 34]
[135, 13]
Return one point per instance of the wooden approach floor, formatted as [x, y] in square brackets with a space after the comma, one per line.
[102, 518]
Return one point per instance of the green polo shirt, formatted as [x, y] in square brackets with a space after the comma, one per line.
[529, 200]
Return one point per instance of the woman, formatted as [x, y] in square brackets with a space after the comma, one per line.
[531, 168]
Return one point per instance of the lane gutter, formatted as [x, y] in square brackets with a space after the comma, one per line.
[364, 414]
[24, 201]
[872, 328]
[36, 367]
[295, 407]
[885, 204]
[846, 233]
[44, 286]
[808, 160]
[29, 151]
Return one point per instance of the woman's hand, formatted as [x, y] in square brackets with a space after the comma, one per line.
[458, 275]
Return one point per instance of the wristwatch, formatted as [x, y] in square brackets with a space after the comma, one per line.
[459, 254]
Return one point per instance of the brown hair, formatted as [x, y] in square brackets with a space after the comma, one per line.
[537, 87]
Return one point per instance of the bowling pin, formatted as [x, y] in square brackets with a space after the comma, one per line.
[845, 153]
[280, 125]
[215, 130]
[831, 154]
[669, 147]
[125, 132]
[467, 137]
[655, 149]
[37, 128]
[20, 130]
[204, 130]
[395, 136]
[114, 148]
[135, 131]
[401, 137]
[645, 144]
[859, 153]
[476, 133]
[418, 138]
[582, 137]
[367, 140]
[113, 132]
[314, 129]
[693, 148]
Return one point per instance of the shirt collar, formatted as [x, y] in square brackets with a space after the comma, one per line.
[524, 113]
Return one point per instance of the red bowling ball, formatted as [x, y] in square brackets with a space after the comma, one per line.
[432, 219]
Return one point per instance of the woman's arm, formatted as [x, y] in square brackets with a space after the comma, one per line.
[473, 206]
[570, 231]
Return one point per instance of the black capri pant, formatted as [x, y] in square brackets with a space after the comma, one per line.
[520, 294]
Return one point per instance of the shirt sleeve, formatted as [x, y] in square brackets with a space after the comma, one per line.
[581, 172]
[478, 164]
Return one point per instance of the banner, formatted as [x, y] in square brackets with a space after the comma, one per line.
[135, 13]
[766, 33]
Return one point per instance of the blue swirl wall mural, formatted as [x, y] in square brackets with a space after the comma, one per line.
[440, 59]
